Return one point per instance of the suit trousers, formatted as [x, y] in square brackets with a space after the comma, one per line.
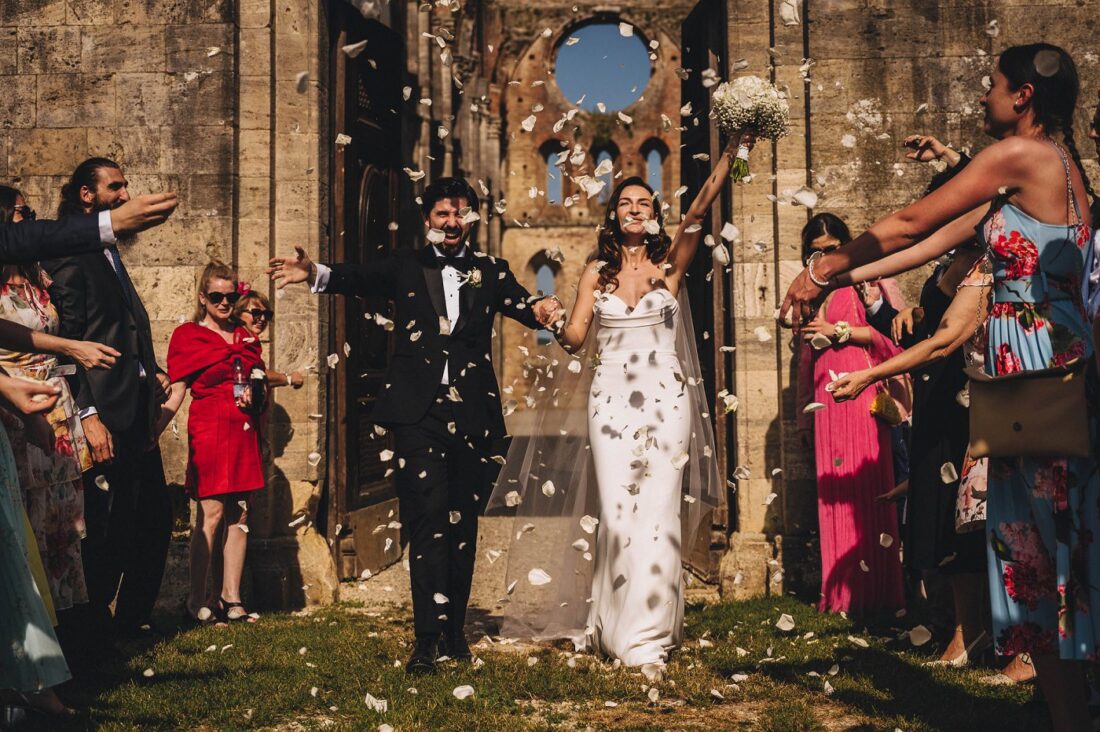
[442, 482]
[129, 528]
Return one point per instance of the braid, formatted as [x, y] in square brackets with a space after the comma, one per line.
[1067, 139]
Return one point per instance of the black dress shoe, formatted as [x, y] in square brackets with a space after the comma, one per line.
[424, 655]
[455, 646]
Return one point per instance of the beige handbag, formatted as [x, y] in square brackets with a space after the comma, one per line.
[1039, 413]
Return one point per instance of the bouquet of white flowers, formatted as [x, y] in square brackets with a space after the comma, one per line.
[749, 104]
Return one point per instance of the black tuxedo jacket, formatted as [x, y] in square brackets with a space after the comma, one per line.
[33, 241]
[413, 280]
[93, 307]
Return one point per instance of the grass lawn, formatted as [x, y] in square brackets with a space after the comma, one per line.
[314, 671]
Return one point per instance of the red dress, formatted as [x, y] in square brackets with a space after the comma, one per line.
[224, 443]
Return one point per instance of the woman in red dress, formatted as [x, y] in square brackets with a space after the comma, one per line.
[214, 357]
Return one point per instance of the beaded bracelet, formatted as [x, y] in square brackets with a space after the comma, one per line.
[810, 269]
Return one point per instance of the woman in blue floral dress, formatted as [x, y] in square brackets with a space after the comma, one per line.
[1029, 203]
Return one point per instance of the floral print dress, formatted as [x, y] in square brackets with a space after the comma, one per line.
[1042, 513]
[52, 487]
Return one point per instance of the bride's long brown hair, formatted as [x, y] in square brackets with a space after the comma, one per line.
[611, 235]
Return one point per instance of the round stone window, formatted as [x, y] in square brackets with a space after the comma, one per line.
[602, 64]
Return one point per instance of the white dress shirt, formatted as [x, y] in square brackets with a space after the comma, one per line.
[452, 283]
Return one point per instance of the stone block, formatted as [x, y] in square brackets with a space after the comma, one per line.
[168, 292]
[254, 13]
[122, 49]
[159, 12]
[46, 151]
[254, 152]
[255, 102]
[207, 98]
[196, 150]
[253, 198]
[76, 100]
[49, 50]
[189, 48]
[136, 149]
[255, 52]
[143, 98]
[207, 195]
[9, 50]
[294, 53]
[17, 105]
[90, 12]
[32, 13]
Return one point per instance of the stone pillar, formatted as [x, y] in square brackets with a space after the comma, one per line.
[281, 203]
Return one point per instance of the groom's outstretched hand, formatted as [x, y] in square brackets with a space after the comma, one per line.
[289, 270]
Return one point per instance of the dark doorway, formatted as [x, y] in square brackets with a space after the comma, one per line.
[704, 46]
[366, 188]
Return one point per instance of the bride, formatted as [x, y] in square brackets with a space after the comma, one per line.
[622, 448]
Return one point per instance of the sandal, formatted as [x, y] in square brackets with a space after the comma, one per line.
[241, 616]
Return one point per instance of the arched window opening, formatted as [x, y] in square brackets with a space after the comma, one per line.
[554, 192]
[655, 153]
[546, 281]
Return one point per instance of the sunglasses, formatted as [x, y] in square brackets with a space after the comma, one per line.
[257, 313]
[217, 297]
[26, 212]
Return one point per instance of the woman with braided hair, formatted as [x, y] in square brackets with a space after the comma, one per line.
[1028, 197]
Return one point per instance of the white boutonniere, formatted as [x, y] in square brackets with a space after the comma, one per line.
[471, 278]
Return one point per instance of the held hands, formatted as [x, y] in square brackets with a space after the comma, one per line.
[548, 311]
[143, 212]
[290, 270]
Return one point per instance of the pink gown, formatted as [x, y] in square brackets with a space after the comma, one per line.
[854, 465]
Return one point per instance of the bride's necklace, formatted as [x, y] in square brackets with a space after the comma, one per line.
[632, 251]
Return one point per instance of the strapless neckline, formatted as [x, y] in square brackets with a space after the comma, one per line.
[630, 309]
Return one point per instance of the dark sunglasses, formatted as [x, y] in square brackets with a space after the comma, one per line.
[26, 212]
[260, 313]
[217, 297]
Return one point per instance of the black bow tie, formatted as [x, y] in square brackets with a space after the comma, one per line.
[462, 264]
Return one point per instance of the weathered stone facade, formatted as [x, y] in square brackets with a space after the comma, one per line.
[202, 96]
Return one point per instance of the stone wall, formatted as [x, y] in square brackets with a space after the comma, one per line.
[879, 71]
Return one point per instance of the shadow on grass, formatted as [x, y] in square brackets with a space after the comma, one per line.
[886, 681]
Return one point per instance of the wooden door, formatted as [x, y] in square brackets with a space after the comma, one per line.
[366, 191]
[704, 46]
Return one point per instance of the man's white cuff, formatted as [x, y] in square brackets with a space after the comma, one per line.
[106, 231]
[321, 281]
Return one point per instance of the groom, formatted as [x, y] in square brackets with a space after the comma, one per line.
[440, 397]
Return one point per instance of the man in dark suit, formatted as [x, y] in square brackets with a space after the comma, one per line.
[127, 506]
[441, 397]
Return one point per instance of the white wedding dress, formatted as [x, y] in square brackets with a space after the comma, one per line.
[639, 429]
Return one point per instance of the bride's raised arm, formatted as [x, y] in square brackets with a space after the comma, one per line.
[571, 336]
[686, 241]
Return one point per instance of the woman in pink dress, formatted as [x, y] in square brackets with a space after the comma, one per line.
[860, 564]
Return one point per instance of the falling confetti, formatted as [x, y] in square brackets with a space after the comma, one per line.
[463, 692]
[301, 82]
[885, 540]
[538, 577]
[948, 474]
[354, 49]
[813, 407]
[589, 523]
[313, 459]
[548, 488]
[101, 483]
[332, 360]
[785, 622]
[762, 334]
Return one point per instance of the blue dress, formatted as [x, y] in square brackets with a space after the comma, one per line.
[1042, 512]
[30, 657]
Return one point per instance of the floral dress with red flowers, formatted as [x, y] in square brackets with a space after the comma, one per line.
[1043, 514]
[52, 486]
